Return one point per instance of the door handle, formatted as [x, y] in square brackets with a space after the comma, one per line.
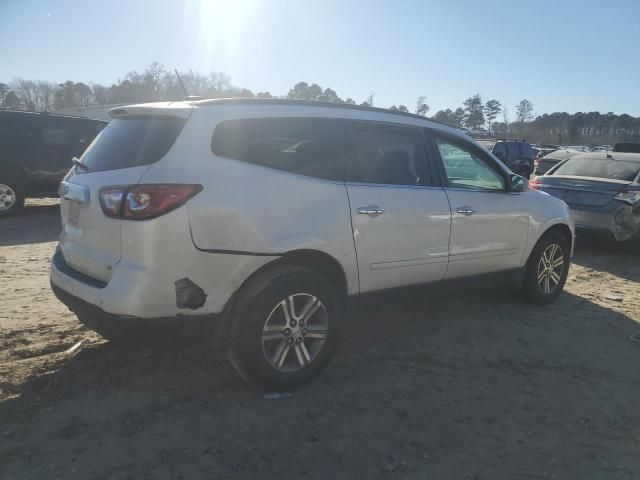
[371, 210]
[466, 210]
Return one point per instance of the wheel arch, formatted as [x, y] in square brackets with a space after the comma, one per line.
[321, 262]
[561, 227]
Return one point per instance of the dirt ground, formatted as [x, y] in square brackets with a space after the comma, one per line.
[467, 385]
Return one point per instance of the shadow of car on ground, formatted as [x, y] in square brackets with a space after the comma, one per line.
[448, 386]
[37, 222]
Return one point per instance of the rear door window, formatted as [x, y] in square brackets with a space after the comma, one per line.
[315, 147]
[132, 142]
[388, 155]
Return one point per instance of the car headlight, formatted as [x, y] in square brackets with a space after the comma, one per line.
[630, 197]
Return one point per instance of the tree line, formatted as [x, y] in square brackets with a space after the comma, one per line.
[156, 83]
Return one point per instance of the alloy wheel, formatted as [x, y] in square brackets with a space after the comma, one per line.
[7, 197]
[295, 332]
[550, 268]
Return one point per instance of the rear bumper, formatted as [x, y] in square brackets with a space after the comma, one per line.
[179, 329]
[621, 221]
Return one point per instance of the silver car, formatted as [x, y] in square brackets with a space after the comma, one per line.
[602, 189]
[262, 221]
[543, 164]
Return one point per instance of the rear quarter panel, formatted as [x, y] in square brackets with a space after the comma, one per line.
[253, 209]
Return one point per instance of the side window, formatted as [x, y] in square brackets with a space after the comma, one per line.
[314, 147]
[54, 136]
[513, 152]
[526, 151]
[467, 169]
[385, 154]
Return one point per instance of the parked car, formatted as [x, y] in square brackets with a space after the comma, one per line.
[602, 190]
[539, 152]
[35, 154]
[628, 147]
[269, 218]
[602, 148]
[515, 154]
[580, 148]
[542, 165]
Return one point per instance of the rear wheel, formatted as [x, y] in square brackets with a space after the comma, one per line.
[547, 269]
[11, 197]
[285, 328]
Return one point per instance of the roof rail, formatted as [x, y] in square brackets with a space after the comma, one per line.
[310, 103]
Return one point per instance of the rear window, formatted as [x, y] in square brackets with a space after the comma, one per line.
[513, 152]
[132, 142]
[314, 147]
[591, 167]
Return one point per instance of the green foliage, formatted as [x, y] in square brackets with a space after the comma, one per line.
[421, 106]
[474, 112]
[491, 111]
[449, 117]
[313, 92]
[156, 83]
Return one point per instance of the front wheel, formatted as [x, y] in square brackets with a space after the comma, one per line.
[285, 328]
[547, 269]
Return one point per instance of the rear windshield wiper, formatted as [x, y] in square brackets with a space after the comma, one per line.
[80, 164]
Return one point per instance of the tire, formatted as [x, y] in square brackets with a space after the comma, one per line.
[541, 260]
[12, 196]
[272, 352]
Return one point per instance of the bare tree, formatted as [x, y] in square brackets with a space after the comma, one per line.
[524, 111]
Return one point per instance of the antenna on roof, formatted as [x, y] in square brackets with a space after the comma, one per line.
[186, 94]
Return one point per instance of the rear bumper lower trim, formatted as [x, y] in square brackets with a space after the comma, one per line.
[62, 266]
[134, 328]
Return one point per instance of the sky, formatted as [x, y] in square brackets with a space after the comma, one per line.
[563, 55]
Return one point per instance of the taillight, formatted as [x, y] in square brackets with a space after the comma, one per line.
[535, 183]
[630, 197]
[142, 202]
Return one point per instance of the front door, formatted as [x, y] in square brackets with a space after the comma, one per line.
[400, 220]
[489, 224]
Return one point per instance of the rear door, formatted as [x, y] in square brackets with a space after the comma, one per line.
[120, 155]
[400, 217]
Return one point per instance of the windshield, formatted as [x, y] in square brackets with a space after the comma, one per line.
[132, 142]
[600, 168]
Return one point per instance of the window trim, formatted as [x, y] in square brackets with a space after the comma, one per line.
[431, 181]
[433, 134]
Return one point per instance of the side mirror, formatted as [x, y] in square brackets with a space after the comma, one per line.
[517, 183]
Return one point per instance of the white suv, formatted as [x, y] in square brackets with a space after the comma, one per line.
[266, 217]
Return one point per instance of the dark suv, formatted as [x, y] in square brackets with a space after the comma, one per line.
[35, 154]
[515, 154]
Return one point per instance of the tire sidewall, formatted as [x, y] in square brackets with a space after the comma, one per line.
[246, 352]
